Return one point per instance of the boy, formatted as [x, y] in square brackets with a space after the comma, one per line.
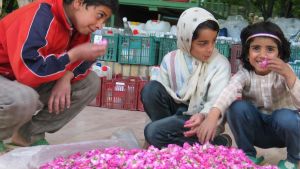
[45, 56]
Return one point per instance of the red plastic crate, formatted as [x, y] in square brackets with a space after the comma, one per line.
[140, 105]
[236, 50]
[97, 101]
[120, 93]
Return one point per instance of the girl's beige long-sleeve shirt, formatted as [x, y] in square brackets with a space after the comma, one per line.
[267, 93]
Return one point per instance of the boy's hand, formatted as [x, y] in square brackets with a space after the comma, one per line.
[193, 123]
[60, 97]
[87, 51]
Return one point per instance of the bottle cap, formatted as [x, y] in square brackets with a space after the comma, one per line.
[104, 68]
[110, 32]
[124, 19]
[135, 32]
[98, 64]
[98, 32]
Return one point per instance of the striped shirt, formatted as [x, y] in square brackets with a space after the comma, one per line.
[267, 93]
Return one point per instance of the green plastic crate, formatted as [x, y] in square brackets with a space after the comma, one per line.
[169, 44]
[296, 67]
[224, 48]
[166, 45]
[295, 53]
[112, 47]
[142, 50]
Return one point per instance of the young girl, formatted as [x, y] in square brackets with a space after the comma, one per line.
[190, 80]
[267, 115]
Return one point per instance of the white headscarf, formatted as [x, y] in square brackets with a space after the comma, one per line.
[187, 24]
[193, 90]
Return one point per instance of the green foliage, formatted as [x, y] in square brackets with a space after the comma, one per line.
[296, 8]
[269, 8]
[287, 8]
[8, 6]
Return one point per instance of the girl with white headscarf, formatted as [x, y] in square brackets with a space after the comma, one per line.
[190, 80]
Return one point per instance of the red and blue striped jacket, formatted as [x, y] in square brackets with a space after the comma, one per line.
[34, 41]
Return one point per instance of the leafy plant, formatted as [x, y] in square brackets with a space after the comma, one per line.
[8, 6]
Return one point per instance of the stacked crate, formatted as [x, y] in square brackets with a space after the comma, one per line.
[140, 50]
[166, 45]
[224, 48]
[120, 93]
[112, 46]
[236, 50]
[140, 105]
[295, 59]
[124, 93]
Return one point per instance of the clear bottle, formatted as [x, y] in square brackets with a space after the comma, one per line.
[106, 71]
[102, 70]
[127, 29]
[155, 73]
[97, 69]
[98, 36]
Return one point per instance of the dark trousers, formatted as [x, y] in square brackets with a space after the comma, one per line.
[253, 128]
[166, 116]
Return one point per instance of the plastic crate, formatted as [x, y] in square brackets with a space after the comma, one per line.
[96, 102]
[120, 93]
[140, 105]
[166, 45]
[235, 62]
[112, 47]
[295, 53]
[142, 50]
[296, 67]
[224, 48]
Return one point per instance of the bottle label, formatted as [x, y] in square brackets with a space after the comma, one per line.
[97, 39]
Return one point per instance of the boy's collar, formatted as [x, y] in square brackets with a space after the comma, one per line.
[69, 21]
[60, 13]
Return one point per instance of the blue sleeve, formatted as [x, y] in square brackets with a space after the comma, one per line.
[82, 68]
[37, 63]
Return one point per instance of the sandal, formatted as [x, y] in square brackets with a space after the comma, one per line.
[222, 140]
[285, 164]
[2, 147]
[255, 160]
[40, 142]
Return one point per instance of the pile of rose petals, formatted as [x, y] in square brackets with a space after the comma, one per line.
[172, 157]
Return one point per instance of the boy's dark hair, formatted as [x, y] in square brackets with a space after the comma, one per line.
[263, 27]
[210, 24]
[112, 4]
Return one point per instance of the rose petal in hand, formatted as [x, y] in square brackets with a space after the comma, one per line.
[104, 42]
[264, 63]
